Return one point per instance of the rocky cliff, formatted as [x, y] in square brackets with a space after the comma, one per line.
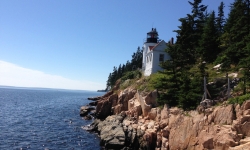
[130, 120]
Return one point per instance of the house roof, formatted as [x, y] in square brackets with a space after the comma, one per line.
[151, 48]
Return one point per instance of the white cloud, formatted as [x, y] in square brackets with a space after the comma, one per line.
[14, 75]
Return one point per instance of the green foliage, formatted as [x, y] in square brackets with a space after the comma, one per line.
[237, 28]
[209, 46]
[239, 88]
[131, 75]
[220, 19]
[190, 92]
[156, 81]
[239, 100]
[129, 78]
[134, 64]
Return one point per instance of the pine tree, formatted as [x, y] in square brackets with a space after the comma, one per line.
[209, 46]
[190, 91]
[245, 65]
[136, 61]
[169, 85]
[197, 20]
[119, 71]
[114, 76]
[109, 84]
[237, 28]
[220, 19]
[190, 32]
[185, 42]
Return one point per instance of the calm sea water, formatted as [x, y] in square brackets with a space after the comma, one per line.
[44, 119]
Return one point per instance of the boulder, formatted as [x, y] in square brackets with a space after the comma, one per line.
[111, 132]
[222, 115]
[94, 98]
[87, 117]
[150, 99]
[93, 103]
[150, 137]
[145, 107]
[182, 133]
[84, 110]
[207, 103]
[241, 147]
[152, 114]
[246, 105]
[124, 98]
[103, 108]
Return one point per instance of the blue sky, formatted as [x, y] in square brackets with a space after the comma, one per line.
[75, 44]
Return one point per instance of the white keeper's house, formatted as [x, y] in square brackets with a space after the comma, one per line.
[153, 53]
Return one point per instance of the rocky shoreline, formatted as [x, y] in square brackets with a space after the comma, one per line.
[131, 120]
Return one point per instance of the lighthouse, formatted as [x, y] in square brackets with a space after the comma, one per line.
[153, 53]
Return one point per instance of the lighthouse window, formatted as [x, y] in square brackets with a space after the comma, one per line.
[161, 58]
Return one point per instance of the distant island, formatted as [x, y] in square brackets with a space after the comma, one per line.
[101, 90]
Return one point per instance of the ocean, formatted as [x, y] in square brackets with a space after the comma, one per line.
[44, 119]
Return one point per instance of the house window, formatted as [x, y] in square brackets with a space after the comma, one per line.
[161, 58]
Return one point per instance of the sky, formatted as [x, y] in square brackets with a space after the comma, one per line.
[75, 44]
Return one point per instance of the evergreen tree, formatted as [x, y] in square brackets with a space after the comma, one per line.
[190, 32]
[237, 28]
[197, 20]
[109, 84]
[220, 19]
[170, 84]
[209, 46]
[185, 42]
[114, 76]
[119, 71]
[190, 91]
[245, 65]
[136, 61]
[128, 66]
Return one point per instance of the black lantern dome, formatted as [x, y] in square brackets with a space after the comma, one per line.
[152, 36]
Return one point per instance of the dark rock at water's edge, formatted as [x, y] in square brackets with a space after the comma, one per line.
[111, 134]
[85, 110]
[101, 97]
[115, 132]
[93, 103]
[87, 117]
[94, 98]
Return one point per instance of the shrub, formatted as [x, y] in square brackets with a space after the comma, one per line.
[131, 75]
[239, 99]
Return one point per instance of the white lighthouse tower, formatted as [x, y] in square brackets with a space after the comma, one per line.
[153, 53]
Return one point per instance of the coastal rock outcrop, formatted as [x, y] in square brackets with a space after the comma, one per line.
[132, 120]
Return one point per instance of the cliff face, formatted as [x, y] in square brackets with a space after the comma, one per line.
[132, 121]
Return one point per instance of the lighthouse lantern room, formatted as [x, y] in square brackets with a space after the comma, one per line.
[152, 36]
